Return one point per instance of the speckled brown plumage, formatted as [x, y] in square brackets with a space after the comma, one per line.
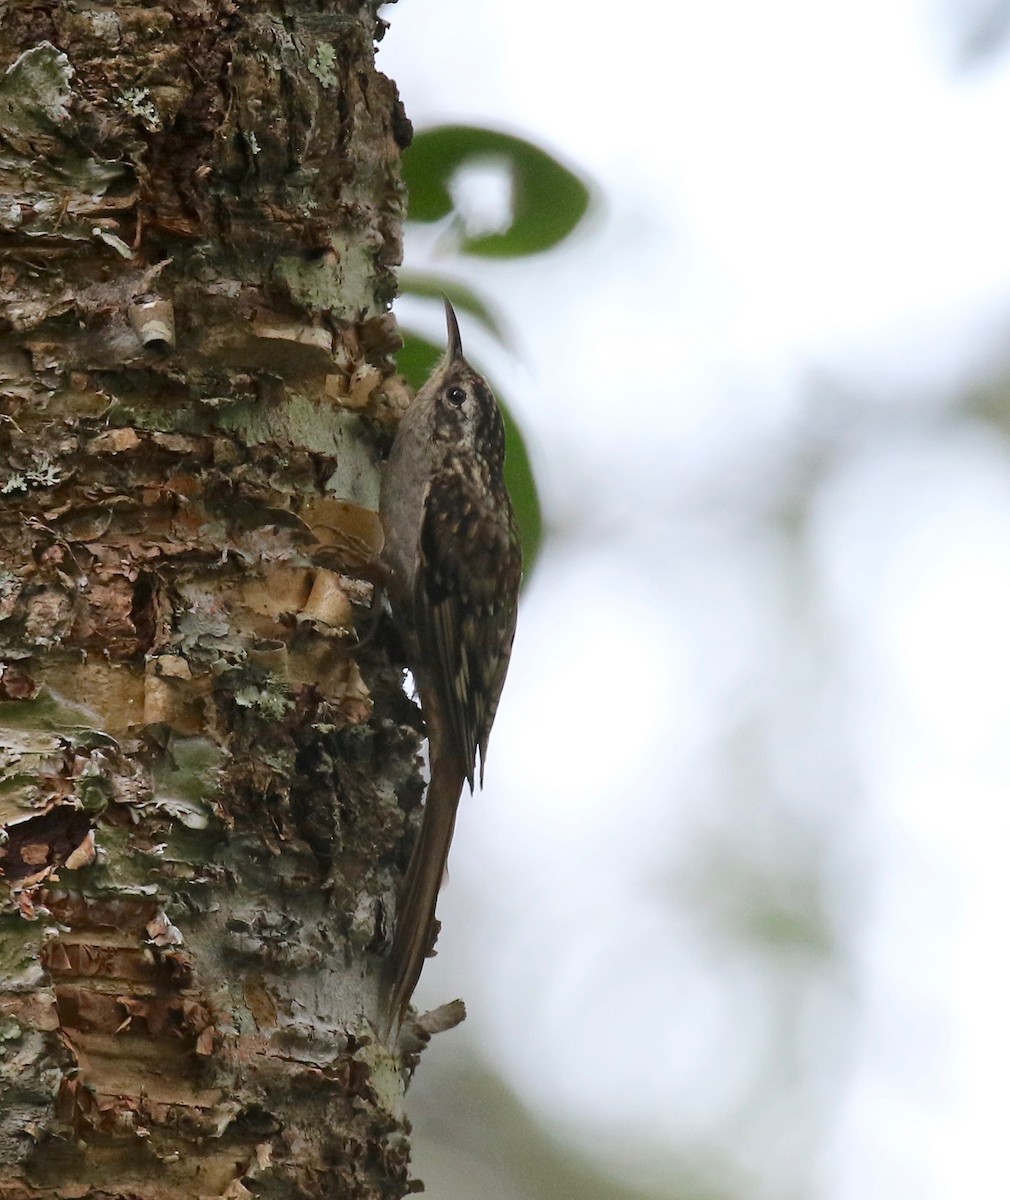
[453, 567]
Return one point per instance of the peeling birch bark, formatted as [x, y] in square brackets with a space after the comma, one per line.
[204, 791]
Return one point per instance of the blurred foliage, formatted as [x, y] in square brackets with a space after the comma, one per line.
[475, 1138]
[981, 29]
[464, 299]
[547, 201]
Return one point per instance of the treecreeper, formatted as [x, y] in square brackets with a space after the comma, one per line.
[453, 565]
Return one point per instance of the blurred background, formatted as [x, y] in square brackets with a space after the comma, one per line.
[730, 915]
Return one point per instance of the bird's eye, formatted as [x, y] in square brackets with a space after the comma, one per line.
[455, 395]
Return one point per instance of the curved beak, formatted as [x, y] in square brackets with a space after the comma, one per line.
[455, 346]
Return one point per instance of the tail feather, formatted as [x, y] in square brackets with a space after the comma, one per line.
[415, 914]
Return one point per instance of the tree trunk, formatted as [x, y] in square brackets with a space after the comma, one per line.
[205, 785]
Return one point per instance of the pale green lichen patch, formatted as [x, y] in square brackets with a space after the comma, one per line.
[35, 90]
[316, 283]
[50, 712]
[303, 422]
[344, 272]
[19, 951]
[10, 1030]
[137, 102]
[323, 64]
[41, 152]
[43, 473]
[268, 698]
[384, 1076]
[186, 780]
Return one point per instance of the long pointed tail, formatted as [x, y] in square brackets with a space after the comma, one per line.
[415, 915]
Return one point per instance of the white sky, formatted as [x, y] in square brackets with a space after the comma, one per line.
[800, 257]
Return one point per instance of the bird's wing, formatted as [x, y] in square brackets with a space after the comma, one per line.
[464, 601]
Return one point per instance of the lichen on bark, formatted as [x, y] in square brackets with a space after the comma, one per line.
[205, 782]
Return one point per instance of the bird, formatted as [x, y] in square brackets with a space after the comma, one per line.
[452, 564]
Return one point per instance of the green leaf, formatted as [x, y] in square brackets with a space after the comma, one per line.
[462, 298]
[523, 490]
[417, 358]
[548, 199]
[415, 361]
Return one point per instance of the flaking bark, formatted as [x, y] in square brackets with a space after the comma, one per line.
[203, 789]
